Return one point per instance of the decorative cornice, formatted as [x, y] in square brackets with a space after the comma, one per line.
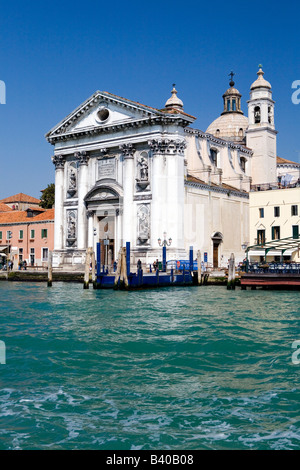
[167, 146]
[216, 140]
[82, 157]
[91, 131]
[127, 150]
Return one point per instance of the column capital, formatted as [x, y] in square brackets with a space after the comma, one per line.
[127, 150]
[90, 213]
[59, 161]
[82, 157]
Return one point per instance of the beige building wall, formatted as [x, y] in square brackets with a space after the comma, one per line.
[210, 211]
[285, 217]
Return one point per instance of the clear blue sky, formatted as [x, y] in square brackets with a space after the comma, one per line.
[54, 55]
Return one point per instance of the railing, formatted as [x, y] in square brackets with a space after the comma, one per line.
[277, 185]
[275, 268]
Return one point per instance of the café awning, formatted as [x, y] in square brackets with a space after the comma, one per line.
[283, 246]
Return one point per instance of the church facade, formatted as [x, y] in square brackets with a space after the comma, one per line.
[126, 172]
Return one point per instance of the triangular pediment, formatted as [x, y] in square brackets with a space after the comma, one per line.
[102, 110]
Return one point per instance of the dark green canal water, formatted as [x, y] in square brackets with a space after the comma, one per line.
[174, 368]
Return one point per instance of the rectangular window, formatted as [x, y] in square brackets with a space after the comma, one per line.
[261, 212]
[8, 235]
[294, 210]
[0, 235]
[275, 233]
[261, 237]
[44, 254]
[20, 255]
[44, 233]
[233, 105]
[32, 234]
[295, 231]
[228, 105]
[276, 211]
[32, 251]
[21, 234]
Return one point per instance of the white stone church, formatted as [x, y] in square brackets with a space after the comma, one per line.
[126, 172]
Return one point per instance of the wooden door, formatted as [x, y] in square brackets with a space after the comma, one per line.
[216, 255]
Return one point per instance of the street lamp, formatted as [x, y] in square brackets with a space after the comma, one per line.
[164, 244]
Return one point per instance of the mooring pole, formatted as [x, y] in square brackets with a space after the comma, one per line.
[50, 269]
[191, 259]
[231, 273]
[164, 258]
[199, 267]
[128, 258]
[98, 260]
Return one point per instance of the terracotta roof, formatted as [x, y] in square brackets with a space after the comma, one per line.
[283, 161]
[21, 216]
[5, 208]
[21, 197]
[47, 215]
[193, 179]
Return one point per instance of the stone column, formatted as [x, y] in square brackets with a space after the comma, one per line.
[175, 198]
[82, 191]
[128, 186]
[158, 185]
[59, 162]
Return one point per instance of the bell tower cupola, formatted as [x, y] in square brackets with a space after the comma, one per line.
[261, 133]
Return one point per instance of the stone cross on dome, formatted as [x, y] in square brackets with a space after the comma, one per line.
[231, 75]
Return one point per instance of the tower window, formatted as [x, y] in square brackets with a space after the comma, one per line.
[241, 132]
[270, 115]
[233, 105]
[217, 132]
[257, 114]
[243, 163]
[213, 156]
[228, 105]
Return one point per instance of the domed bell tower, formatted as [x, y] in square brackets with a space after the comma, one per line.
[261, 133]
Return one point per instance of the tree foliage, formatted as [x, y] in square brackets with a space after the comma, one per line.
[48, 197]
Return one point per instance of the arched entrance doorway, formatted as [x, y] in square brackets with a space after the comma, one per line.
[217, 239]
[104, 207]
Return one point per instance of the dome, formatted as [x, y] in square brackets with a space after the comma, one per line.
[260, 81]
[229, 126]
[174, 102]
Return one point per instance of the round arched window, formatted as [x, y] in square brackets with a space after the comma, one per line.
[103, 114]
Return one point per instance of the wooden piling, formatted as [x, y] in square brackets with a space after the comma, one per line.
[49, 269]
[86, 282]
[118, 270]
[231, 273]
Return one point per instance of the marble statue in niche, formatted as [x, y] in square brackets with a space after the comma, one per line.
[142, 179]
[71, 227]
[72, 180]
[143, 223]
